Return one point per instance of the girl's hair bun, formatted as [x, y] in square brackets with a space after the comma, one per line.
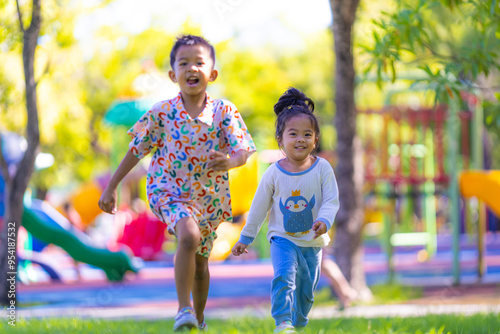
[293, 97]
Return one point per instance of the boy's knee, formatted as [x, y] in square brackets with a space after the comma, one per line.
[201, 268]
[188, 234]
[201, 273]
[189, 241]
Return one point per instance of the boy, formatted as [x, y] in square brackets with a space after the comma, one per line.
[188, 185]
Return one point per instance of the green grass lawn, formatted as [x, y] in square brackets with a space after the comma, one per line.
[432, 324]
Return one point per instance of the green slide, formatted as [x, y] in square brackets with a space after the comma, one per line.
[48, 225]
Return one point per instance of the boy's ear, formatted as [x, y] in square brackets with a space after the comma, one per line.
[172, 76]
[213, 75]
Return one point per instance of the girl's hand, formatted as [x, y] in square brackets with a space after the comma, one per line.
[319, 228]
[107, 202]
[239, 249]
[218, 161]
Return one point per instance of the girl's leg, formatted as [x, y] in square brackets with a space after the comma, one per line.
[188, 236]
[284, 259]
[200, 286]
[307, 281]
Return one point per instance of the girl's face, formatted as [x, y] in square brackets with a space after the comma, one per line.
[299, 138]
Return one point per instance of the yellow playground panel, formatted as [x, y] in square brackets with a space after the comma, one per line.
[243, 183]
[85, 202]
[483, 184]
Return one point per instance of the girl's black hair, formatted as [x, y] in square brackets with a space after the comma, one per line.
[293, 102]
[190, 40]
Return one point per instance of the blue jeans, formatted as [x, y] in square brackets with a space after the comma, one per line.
[296, 275]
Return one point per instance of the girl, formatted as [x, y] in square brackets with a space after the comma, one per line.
[300, 191]
[188, 186]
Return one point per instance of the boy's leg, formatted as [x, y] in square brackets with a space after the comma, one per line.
[284, 260]
[200, 286]
[188, 236]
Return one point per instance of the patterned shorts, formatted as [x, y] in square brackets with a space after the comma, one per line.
[172, 212]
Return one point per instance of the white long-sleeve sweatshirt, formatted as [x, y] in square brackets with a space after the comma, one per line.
[294, 202]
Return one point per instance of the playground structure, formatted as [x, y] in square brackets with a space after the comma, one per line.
[412, 168]
[47, 225]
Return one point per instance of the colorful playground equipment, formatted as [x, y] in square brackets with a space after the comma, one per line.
[404, 166]
[48, 225]
[412, 160]
[85, 200]
[141, 231]
[482, 184]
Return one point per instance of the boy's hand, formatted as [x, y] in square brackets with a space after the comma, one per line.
[319, 228]
[107, 202]
[239, 249]
[218, 161]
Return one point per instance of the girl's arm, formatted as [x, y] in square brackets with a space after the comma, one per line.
[239, 248]
[220, 162]
[107, 202]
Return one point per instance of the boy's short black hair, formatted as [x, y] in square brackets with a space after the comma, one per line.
[190, 40]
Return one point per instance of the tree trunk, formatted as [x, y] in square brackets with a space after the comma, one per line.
[349, 169]
[17, 183]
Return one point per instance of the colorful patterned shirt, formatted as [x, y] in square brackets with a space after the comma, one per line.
[177, 173]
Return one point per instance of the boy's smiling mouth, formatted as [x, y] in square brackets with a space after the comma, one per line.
[192, 80]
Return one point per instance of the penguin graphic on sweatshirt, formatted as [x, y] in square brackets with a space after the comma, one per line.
[297, 213]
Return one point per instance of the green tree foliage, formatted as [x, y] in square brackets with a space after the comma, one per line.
[59, 66]
[255, 78]
[453, 42]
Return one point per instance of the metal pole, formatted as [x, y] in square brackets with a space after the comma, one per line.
[454, 204]
[477, 163]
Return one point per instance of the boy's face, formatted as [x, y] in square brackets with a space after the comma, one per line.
[193, 69]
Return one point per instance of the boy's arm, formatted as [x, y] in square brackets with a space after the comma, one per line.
[220, 162]
[261, 204]
[107, 202]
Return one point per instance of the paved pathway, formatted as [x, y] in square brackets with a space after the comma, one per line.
[237, 290]
[242, 289]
